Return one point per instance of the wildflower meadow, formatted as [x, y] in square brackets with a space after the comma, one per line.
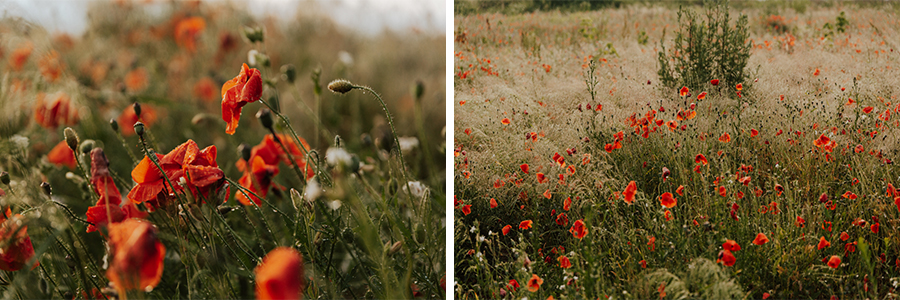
[191, 150]
[742, 150]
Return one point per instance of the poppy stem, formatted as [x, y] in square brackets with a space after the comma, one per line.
[296, 140]
[394, 132]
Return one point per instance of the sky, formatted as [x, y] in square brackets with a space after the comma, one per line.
[367, 16]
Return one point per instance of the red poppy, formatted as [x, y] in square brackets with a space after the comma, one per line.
[61, 155]
[725, 137]
[760, 239]
[18, 58]
[875, 227]
[562, 219]
[506, 229]
[136, 80]
[731, 245]
[823, 243]
[701, 96]
[739, 86]
[800, 222]
[834, 262]
[868, 109]
[205, 89]
[683, 91]
[107, 209]
[726, 258]
[714, 82]
[816, 72]
[680, 190]
[136, 256]
[779, 189]
[59, 111]
[547, 194]
[128, 118]
[280, 275]
[525, 224]
[651, 243]
[534, 284]
[186, 163]
[723, 191]
[567, 203]
[186, 32]
[237, 92]
[629, 192]
[505, 121]
[845, 236]
[564, 262]
[493, 203]
[754, 132]
[16, 249]
[578, 229]
[849, 195]
[541, 178]
[667, 200]
[524, 168]
[513, 284]
[51, 66]
[745, 180]
[701, 159]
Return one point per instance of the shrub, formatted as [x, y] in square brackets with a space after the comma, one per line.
[705, 50]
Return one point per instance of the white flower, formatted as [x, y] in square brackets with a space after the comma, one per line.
[251, 57]
[345, 58]
[337, 156]
[20, 141]
[481, 238]
[407, 143]
[417, 189]
[312, 191]
[472, 229]
[490, 232]
[334, 204]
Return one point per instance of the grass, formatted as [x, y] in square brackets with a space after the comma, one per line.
[366, 219]
[541, 70]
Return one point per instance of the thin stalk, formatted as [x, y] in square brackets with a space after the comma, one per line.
[296, 139]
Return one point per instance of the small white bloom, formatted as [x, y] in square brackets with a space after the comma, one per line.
[472, 229]
[334, 204]
[345, 58]
[481, 238]
[251, 57]
[417, 189]
[337, 156]
[312, 191]
[407, 143]
[490, 232]
[70, 175]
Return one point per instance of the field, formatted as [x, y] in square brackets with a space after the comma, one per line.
[596, 158]
[191, 150]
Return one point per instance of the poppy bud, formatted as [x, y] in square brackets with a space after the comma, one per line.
[114, 124]
[4, 178]
[289, 73]
[340, 86]
[315, 76]
[139, 129]
[223, 210]
[418, 89]
[338, 142]
[395, 247]
[71, 138]
[253, 34]
[86, 146]
[137, 110]
[366, 139]
[265, 117]
[46, 187]
[244, 149]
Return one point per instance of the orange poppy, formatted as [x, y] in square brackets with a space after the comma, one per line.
[525, 224]
[258, 179]
[51, 66]
[567, 203]
[541, 178]
[186, 32]
[198, 168]
[61, 155]
[726, 258]
[280, 275]
[466, 209]
[739, 86]
[108, 209]
[731, 245]
[760, 239]
[136, 255]
[680, 190]
[701, 159]
[506, 229]
[849, 195]
[779, 189]
[564, 262]
[18, 58]
[57, 112]
[667, 200]
[823, 243]
[524, 168]
[834, 262]
[534, 284]
[683, 91]
[667, 215]
[562, 219]
[16, 248]
[754, 132]
[868, 109]
[205, 89]
[629, 192]
[845, 236]
[701, 96]
[547, 194]
[136, 80]
[578, 229]
[493, 203]
[505, 121]
[129, 117]
[822, 141]
[246, 87]
[725, 137]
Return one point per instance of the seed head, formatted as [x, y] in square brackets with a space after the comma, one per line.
[114, 124]
[137, 110]
[340, 86]
[86, 146]
[71, 138]
[139, 129]
[265, 117]
[46, 187]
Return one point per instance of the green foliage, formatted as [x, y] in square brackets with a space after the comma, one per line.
[702, 279]
[713, 48]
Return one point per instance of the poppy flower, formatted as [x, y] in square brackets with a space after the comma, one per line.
[513, 284]
[578, 229]
[62, 155]
[779, 189]
[701, 96]
[506, 229]
[18, 58]
[714, 82]
[51, 66]
[849, 195]
[136, 80]
[665, 173]
[564, 262]
[868, 109]
[547, 194]
[16, 249]
[205, 89]
[754, 132]
[845, 236]
[823, 243]
[722, 191]
[493, 203]
[198, 168]
[745, 180]
[467, 209]
[834, 262]
[246, 87]
[875, 227]
[731, 245]
[651, 243]
[107, 210]
[726, 258]
[525, 224]
[562, 219]
[505, 121]
[800, 222]
[534, 284]
[680, 190]
[725, 137]
[739, 86]
[683, 91]
[567, 203]
[280, 275]
[816, 72]
[56, 112]
[629, 192]
[524, 168]
[186, 32]
[760, 239]
[136, 255]
[129, 117]
[701, 159]
[667, 200]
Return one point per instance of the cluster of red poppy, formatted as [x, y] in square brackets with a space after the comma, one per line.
[263, 165]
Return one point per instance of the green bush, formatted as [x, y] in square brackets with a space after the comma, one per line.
[706, 49]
